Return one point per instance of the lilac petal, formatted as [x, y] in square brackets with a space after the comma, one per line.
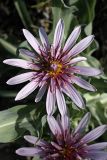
[83, 123]
[18, 63]
[88, 71]
[77, 59]
[65, 122]
[53, 85]
[44, 38]
[35, 140]
[72, 39]
[28, 151]
[74, 95]
[58, 35]
[31, 139]
[94, 134]
[53, 125]
[58, 52]
[27, 53]
[50, 102]
[81, 46]
[61, 102]
[40, 93]
[97, 146]
[32, 40]
[25, 91]
[21, 78]
[55, 145]
[97, 155]
[82, 83]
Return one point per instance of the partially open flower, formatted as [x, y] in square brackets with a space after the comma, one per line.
[66, 144]
[53, 68]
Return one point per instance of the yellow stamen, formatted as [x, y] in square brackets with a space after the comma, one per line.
[55, 72]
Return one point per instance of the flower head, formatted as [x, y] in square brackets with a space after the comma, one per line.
[66, 144]
[53, 68]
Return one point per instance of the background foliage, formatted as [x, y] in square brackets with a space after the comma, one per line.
[22, 117]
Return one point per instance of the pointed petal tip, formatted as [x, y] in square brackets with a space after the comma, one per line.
[27, 136]
[17, 151]
[16, 99]
[99, 72]
[88, 115]
[82, 105]
[8, 82]
[78, 28]
[91, 37]
[94, 89]
[24, 30]
[36, 100]
[5, 61]
[61, 20]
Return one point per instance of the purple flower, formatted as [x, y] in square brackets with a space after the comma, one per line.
[54, 69]
[66, 145]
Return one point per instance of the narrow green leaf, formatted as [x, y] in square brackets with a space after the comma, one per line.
[23, 13]
[6, 93]
[8, 46]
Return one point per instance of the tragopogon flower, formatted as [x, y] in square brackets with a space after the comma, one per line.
[53, 68]
[67, 145]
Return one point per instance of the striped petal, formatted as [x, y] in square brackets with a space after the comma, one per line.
[77, 59]
[94, 134]
[21, 78]
[82, 83]
[72, 39]
[44, 38]
[32, 40]
[28, 89]
[87, 71]
[18, 63]
[28, 53]
[65, 123]
[31, 139]
[28, 151]
[70, 91]
[35, 140]
[97, 146]
[97, 155]
[83, 123]
[40, 93]
[81, 46]
[58, 35]
[53, 124]
[50, 102]
[61, 102]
